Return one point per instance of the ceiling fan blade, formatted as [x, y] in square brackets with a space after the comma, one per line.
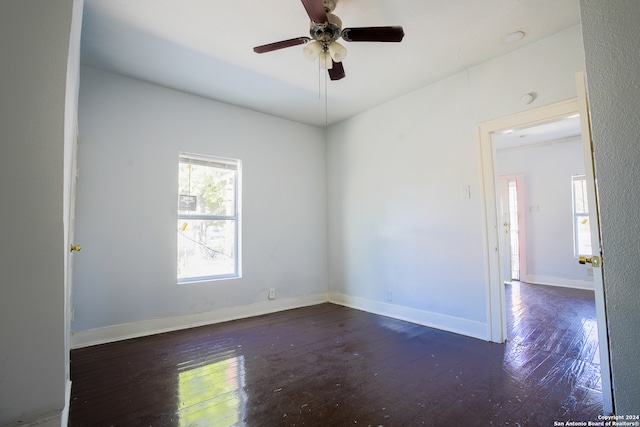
[280, 45]
[337, 71]
[315, 10]
[373, 34]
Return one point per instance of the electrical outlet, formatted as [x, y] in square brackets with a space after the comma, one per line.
[389, 296]
[272, 293]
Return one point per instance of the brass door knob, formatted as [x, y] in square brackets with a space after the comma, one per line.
[593, 260]
[75, 248]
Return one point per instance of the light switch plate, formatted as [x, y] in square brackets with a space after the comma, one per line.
[466, 192]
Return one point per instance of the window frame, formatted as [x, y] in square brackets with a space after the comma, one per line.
[226, 164]
[579, 216]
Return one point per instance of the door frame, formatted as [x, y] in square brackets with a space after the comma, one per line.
[496, 310]
[496, 303]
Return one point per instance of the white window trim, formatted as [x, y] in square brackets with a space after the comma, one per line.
[223, 163]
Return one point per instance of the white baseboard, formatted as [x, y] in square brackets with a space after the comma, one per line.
[558, 281]
[64, 418]
[444, 322]
[120, 332]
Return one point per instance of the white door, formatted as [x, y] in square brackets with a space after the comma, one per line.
[596, 261]
[511, 227]
[72, 247]
[504, 224]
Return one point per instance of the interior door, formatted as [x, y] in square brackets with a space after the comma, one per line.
[596, 259]
[503, 227]
[71, 245]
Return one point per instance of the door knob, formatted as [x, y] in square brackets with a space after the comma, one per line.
[593, 260]
[75, 248]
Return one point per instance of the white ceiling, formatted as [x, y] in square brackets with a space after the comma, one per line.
[205, 47]
[552, 131]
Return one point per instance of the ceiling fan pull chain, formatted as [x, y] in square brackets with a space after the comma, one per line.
[319, 83]
[326, 102]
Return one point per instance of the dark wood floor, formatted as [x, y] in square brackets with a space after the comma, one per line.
[329, 365]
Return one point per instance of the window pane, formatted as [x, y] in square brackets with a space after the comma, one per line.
[583, 235]
[206, 248]
[581, 226]
[580, 196]
[206, 190]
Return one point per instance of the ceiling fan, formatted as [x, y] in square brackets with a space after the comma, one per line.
[325, 29]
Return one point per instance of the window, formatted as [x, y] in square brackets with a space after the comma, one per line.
[581, 226]
[208, 218]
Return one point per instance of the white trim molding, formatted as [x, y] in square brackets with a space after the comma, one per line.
[558, 281]
[67, 405]
[125, 331]
[443, 322]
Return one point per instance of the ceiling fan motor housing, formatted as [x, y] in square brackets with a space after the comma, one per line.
[326, 32]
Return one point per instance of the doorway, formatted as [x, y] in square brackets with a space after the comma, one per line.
[496, 310]
[548, 157]
[513, 227]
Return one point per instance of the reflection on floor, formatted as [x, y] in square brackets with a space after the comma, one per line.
[328, 365]
[554, 331]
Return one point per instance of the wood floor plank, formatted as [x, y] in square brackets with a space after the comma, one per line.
[327, 365]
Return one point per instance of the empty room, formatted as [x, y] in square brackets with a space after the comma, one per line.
[225, 226]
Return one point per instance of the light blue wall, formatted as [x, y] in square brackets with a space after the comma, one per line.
[397, 217]
[131, 133]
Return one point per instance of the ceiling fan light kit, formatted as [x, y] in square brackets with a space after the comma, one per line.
[325, 29]
[337, 51]
[312, 50]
